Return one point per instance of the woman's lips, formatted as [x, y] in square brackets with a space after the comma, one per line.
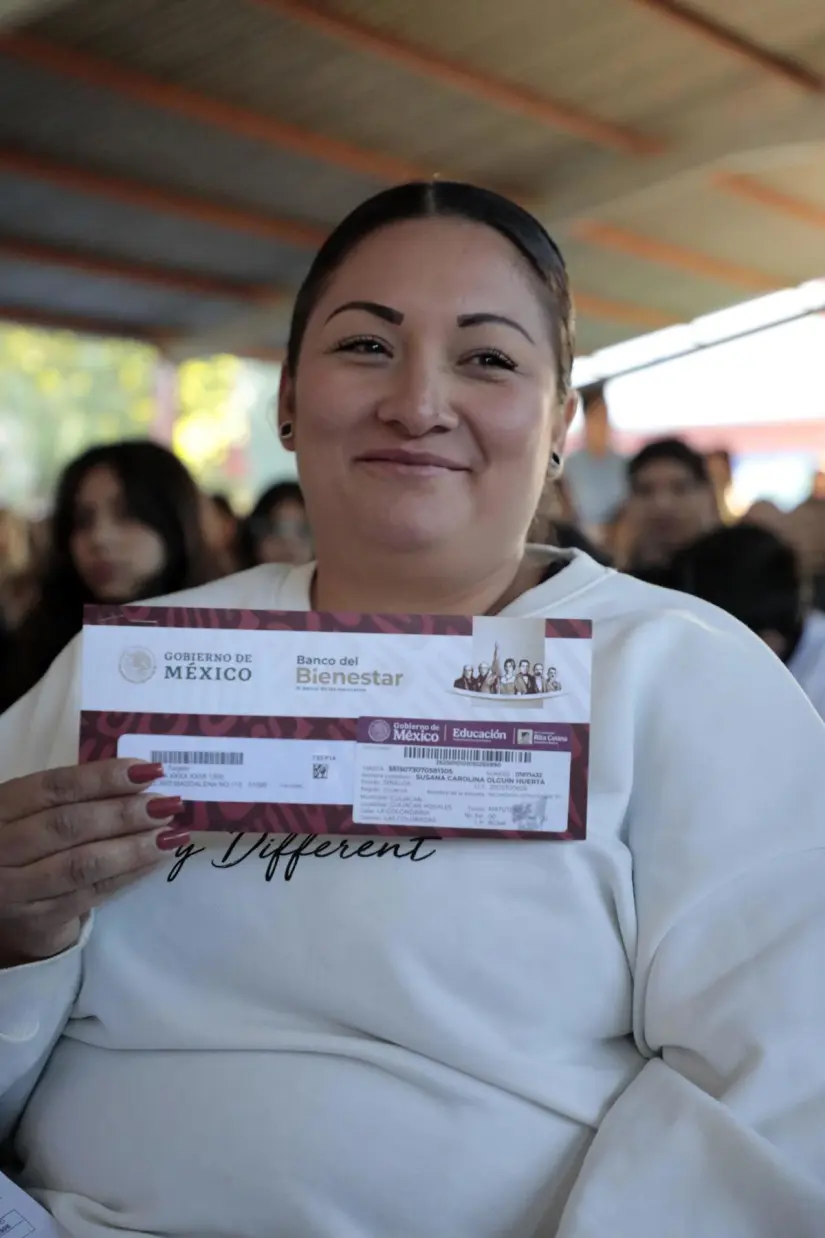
[102, 574]
[410, 464]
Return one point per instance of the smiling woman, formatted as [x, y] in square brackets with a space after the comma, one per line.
[428, 363]
[515, 1038]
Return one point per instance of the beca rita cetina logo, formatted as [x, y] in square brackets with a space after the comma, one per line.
[137, 664]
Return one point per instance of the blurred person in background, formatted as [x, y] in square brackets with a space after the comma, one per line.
[804, 527]
[617, 539]
[756, 577]
[18, 587]
[126, 526]
[220, 530]
[671, 504]
[277, 529]
[768, 516]
[556, 524]
[720, 472]
[596, 474]
[227, 523]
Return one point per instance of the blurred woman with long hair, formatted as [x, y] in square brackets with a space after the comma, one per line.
[126, 526]
[277, 530]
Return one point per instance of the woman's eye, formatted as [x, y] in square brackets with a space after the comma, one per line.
[491, 358]
[363, 346]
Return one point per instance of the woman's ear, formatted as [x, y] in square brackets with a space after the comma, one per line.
[286, 410]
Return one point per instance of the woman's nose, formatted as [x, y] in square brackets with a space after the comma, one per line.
[418, 399]
[100, 532]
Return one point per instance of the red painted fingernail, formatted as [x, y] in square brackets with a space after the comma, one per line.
[143, 773]
[169, 840]
[160, 808]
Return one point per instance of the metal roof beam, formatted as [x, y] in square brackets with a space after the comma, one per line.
[552, 113]
[215, 113]
[165, 278]
[49, 320]
[161, 200]
[677, 257]
[726, 39]
[760, 194]
[17, 12]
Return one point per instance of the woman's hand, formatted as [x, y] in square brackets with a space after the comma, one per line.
[69, 838]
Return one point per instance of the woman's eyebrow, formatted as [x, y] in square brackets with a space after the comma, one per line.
[385, 312]
[478, 320]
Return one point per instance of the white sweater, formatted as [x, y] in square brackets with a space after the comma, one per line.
[623, 1037]
[808, 662]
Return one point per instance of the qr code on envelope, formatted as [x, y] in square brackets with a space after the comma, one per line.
[320, 770]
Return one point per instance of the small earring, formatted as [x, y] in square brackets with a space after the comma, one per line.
[285, 430]
[556, 461]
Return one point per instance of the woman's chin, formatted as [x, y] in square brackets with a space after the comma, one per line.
[412, 523]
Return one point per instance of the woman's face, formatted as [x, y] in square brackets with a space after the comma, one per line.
[284, 535]
[425, 402]
[114, 554]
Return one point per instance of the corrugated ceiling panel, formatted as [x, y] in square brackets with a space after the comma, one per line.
[731, 230]
[789, 26]
[799, 178]
[89, 126]
[31, 285]
[567, 48]
[593, 334]
[646, 284]
[242, 54]
[35, 211]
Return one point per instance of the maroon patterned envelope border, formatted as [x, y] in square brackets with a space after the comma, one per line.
[213, 617]
[100, 731]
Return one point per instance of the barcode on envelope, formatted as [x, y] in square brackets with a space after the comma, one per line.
[465, 756]
[196, 757]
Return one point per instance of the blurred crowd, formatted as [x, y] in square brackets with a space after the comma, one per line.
[128, 522]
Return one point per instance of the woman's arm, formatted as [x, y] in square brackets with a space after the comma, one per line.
[722, 1134]
[35, 1002]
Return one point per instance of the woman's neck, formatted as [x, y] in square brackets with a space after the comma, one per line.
[396, 588]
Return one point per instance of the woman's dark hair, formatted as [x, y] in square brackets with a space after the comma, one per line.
[223, 505]
[509, 662]
[250, 530]
[159, 492]
[748, 572]
[446, 200]
[674, 450]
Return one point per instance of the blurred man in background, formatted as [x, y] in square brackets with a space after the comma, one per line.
[596, 476]
[671, 504]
